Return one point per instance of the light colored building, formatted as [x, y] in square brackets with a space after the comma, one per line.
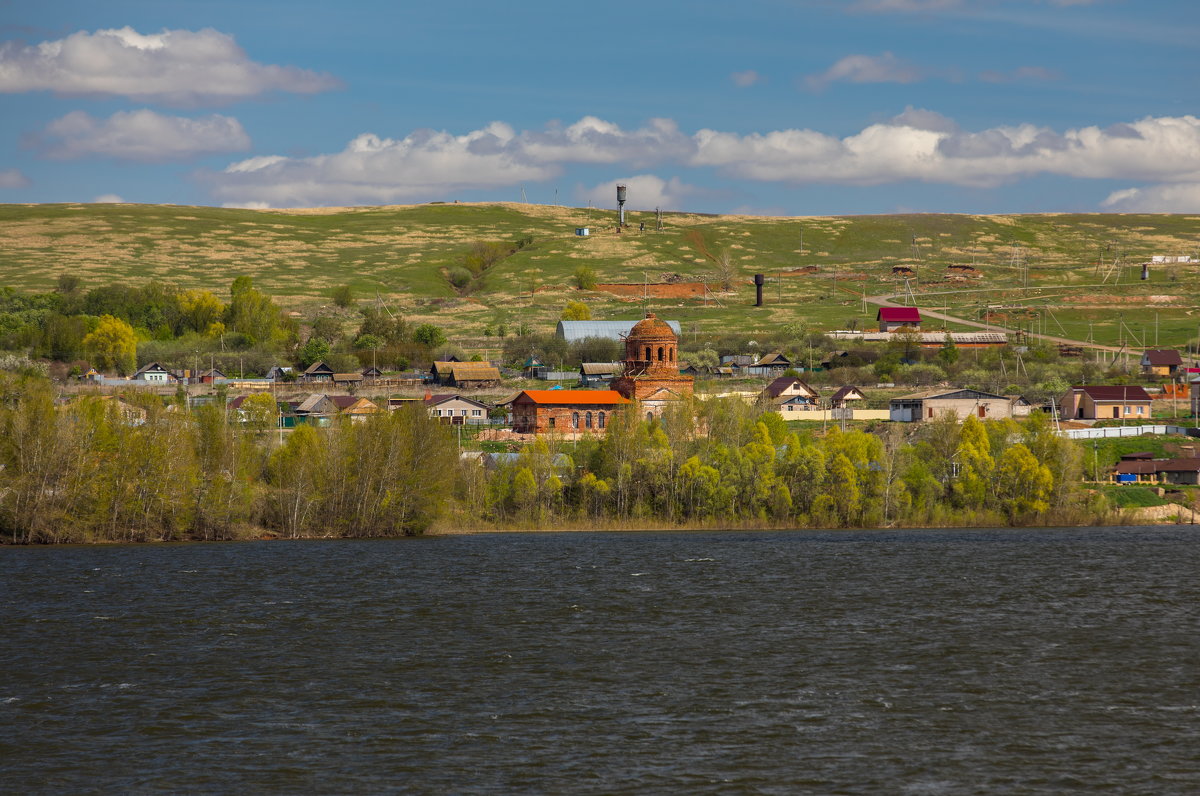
[457, 410]
[1105, 402]
[609, 330]
[894, 318]
[933, 404]
[1161, 362]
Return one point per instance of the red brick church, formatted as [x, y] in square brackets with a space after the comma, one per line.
[650, 378]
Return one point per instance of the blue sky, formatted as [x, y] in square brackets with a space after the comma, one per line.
[781, 107]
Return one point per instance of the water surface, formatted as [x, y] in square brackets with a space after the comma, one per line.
[1015, 661]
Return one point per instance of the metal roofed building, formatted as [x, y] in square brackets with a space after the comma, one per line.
[610, 330]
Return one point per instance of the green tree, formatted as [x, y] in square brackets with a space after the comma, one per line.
[948, 354]
[429, 335]
[343, 296]
[1023, 485]
[112, 344]
[576, 311]
[585, 278]
[314, 350]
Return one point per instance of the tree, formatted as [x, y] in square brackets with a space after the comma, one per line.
[585, 278]
[343, 296]
[429, 335]
[260, 411]
[314, 350]
[200, 309]
[576, 311]
[252, 313]
[727, 270]
[948, 353]
[112, 344]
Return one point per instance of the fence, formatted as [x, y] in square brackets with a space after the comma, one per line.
[1129, 431]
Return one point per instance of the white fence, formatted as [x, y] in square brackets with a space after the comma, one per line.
[1129, 431]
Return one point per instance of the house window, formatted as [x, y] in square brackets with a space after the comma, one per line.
[587, 420]
[462, 412]
[574, 420]
[476, 412]
[790, 407]
[1127, 410]
[1139, 409]
[931, 413]
[601, 419]
[649, 417]
[551, 423]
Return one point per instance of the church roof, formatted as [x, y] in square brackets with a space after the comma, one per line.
[651, 326]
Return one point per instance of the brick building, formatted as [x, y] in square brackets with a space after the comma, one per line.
[650, 372]
[564, 411]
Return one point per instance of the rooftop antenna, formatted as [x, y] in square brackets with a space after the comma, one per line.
[621, 190]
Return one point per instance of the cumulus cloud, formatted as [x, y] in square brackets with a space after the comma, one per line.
[646, 192]
[917, 144]
[746, 78]
[108, 199]
[885, 68]
[1178, 198]
[140, 135]
[371, 169]
[1156, 149]
[175, 67]
[13, 178]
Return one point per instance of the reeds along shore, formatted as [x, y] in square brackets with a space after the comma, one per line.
[86, 471]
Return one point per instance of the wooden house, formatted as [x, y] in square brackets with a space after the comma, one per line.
[845, 397]
[318, 371]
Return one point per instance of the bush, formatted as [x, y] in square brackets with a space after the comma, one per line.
[459, 277]
[585, 278]
[343, 296]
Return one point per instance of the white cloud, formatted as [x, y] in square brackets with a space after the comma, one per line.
[108, 199]
[885, 68]
[915, 145]
[141, 135]
[13, 178]
[645, 192]
[176, 67]
[746, 78]
[1159, 149]
[1179, 198]
[423, 165]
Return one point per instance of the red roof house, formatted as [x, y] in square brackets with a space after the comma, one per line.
[892, 318]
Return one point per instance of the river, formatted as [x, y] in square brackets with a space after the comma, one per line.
[949, 661]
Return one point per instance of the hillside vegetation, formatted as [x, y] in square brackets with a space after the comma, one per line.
[472, 267]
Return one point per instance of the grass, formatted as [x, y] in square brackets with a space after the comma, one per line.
[397, 255]
[1132, 497]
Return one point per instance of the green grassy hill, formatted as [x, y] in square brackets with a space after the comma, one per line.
[1056, 272]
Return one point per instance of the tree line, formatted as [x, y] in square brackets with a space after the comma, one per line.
[101, 469]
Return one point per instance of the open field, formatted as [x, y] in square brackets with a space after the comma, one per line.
[1069, 275]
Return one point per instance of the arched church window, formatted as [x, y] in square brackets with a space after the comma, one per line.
[660, 354]
[574, 420]
[647, 353]
[587, 420]
[601, 419]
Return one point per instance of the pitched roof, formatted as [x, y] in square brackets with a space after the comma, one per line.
[1113, 393]
[953, 394]
[599, 368]
[474, 371]
[317, 367]
[775, 358]
[847, 393]
[310, 403]
[898, 315]
[437, 400]
[1163, 357]
[611, 330]
[1186, 465]
[573, 397]
[781, 384]
[151, 366]
[362, 406]
[343, 401]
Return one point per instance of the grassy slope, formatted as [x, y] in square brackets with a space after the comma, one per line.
[398, 253]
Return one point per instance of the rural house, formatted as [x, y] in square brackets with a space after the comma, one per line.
[1101, 402]
[153, 373]
[456, 410]
[788, 394]
[593, 373]
[318, 371]
[894, 318]
[931, 404]
[1161, 362]
[846, 396]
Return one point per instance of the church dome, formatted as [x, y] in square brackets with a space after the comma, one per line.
[651, 327]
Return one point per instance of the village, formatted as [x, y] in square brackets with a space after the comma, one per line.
[650, 378]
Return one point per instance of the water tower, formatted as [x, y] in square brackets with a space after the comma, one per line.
[621, 202]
